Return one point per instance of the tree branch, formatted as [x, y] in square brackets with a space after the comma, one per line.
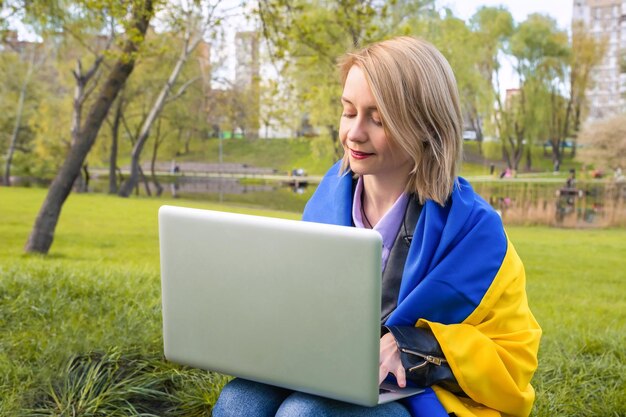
[181, 90]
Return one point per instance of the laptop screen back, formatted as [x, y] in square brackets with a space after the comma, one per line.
[284, 302]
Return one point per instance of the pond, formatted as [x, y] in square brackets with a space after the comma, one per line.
[590, 204]
[272, 195]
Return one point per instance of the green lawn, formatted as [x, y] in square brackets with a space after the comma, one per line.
[81, 329]
[315, 155]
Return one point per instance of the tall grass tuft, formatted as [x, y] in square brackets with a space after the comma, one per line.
[129, 384]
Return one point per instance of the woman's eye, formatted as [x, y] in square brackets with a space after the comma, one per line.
[348, 115]
[377, 122]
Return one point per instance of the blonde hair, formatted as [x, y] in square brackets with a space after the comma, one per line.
[417, 98]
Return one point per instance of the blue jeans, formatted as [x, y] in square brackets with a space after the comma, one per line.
[241, 397]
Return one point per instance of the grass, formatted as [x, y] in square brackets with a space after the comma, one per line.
[541, 161]
[81, 328]
[312, 154]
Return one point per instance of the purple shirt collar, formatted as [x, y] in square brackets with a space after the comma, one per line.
[389, 224]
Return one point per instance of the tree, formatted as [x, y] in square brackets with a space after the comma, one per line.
[135, 20]
[586, 53]
[492, 28]
[538, 50]
[13, 143]
[194, 29]
[460, 46]
[603, 143]
[272, 113]
[557, 74]
[305, 39]
[23, 69]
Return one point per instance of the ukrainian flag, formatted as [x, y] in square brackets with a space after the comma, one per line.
[464, 280]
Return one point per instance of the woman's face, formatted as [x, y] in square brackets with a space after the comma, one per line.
[362, 134]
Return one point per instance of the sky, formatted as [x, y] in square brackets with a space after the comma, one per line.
[561, 10]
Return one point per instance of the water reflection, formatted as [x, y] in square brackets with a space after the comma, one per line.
[287, 196]
[587, 204]
[191, 185]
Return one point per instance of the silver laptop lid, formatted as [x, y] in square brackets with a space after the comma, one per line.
[284, 302]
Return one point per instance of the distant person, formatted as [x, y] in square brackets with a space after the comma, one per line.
[454, 315]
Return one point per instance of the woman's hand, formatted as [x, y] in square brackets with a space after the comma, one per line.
[390, 360]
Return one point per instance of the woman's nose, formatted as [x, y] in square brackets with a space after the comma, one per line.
[357, 132]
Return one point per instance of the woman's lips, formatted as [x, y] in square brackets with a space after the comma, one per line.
[360, 155]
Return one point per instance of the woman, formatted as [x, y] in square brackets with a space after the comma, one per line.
[454, 310]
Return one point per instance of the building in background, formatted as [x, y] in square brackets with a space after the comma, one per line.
[606, 19]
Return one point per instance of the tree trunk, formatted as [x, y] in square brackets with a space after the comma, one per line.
[187, 141]
[42, 235]
[115, 129]
[18, 122]
[529, 159]
[477, 125]
[506, 156]
[155, 150]
[127, 188]
[145, 183]
[517, 157]
[556, 153]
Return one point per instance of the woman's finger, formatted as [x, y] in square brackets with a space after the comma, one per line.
[400, 376]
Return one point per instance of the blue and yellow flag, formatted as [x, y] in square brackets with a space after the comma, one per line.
[462, 279]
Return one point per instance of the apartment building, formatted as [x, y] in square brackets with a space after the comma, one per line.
[606, 19]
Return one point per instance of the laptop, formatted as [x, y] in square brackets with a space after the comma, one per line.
[283, 302]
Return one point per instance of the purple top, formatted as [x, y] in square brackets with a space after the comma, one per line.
[388, 226]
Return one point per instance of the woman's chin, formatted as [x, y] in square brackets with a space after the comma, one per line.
[357, 168]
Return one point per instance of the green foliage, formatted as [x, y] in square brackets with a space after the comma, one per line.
[16, 71]
[587, 51]
[542, 51]
[306, 39]
[492, 28]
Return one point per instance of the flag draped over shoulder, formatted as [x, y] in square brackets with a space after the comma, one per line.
[462, 279]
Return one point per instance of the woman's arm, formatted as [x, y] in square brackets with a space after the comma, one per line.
[491, 356]
[416, 351]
